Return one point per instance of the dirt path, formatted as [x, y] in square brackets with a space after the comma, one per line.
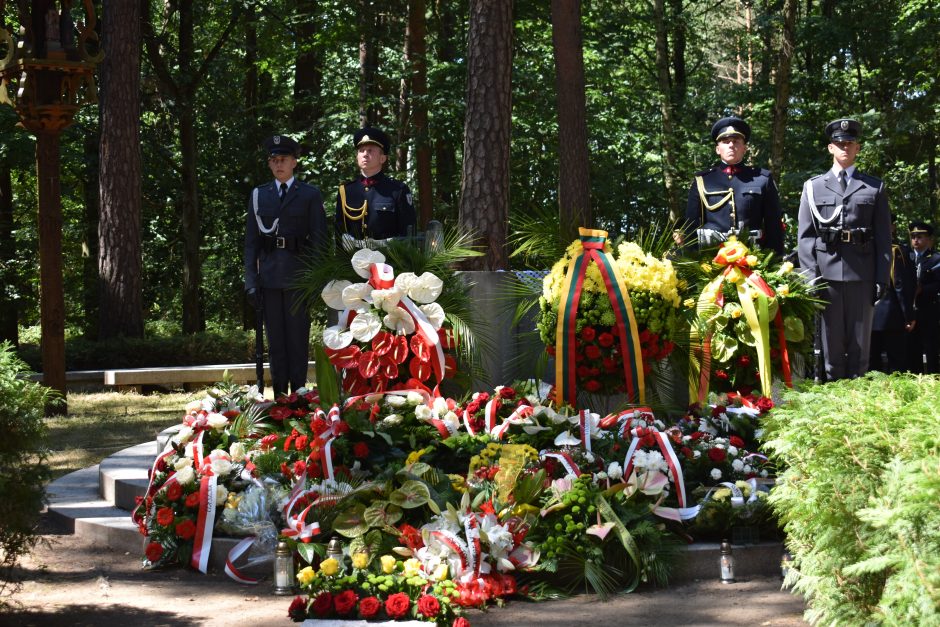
[68, 581]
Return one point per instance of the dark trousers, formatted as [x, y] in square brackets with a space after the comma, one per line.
[287, 324]
[893, 343]
[846, 328]
[923, 341]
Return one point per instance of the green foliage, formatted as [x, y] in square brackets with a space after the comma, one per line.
[859, 498]
[23, 471]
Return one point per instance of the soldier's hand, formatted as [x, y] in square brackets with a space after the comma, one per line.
[879, 291]
[251, 295]
[910, 326]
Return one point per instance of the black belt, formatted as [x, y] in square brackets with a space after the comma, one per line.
[832, 235]
[270, 243]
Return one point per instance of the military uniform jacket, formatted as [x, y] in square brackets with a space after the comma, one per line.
[381, 210]
[927, 275]
[861, 213]
[747, 199]
[896, 308]
[300, 223]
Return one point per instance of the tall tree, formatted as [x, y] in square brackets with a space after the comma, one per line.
[445, 159]
[574, 188]
[417, 38]
[666, 110]
[782, 86]
[120, 309]
[9, 330]
[308, 68]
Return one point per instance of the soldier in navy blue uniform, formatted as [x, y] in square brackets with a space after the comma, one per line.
[894, 313]
[924, 337]
[286, 222]
[845, 238]
[373, 205]
[732, 198]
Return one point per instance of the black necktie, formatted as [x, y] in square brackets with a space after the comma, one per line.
[283, 192]
[842, 180]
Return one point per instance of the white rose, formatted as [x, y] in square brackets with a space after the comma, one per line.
[221, 466]
[237, 451]
[392, 420]
[423, 412]
[221, 493]
[186, 475]
[182, 462]
[395, 400]
[183, 435]
[216, 421]
[716, 474]
[440, 405]
[414, 398]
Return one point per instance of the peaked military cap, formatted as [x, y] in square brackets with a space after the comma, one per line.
[844, 130]
[726, 127]
[920, 228]
[281, 145]
[371, 135]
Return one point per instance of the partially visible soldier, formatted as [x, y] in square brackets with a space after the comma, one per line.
[731, 198]
[924, 337]
[286, 221]
[373, 205]
[894, 313]
[845, 238]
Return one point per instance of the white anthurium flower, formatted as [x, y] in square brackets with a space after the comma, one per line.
[357, 296]
[365, 326]
[332, 294]
[434, 313]
[387, 300]
[399, 321]
[337, 337]
[566, 439]
[363, 259]
[425, 288]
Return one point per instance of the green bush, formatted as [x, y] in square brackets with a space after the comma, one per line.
[23, 472]
[860, 499]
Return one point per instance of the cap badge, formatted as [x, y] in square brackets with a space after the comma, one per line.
[365, 138]
[277, 139]
[844, 125]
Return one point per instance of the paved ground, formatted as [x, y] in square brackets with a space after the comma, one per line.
[68, 581]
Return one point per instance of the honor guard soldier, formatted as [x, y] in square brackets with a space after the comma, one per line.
[924, 336]
[373, 206]
[732, 198]
[894, 313]
[286, 222]
[845, 239]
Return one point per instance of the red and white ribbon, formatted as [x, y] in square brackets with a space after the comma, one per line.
[672, 461]
[233, 555]
[570, 466]
[205, 522]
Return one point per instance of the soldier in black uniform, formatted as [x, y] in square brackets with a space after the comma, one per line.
[286, 221]
[924, 336]
[894, 313]
[732, 198]
[373, 205]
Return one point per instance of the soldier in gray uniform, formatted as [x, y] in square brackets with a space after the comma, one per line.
[845, 239]
[286, 221]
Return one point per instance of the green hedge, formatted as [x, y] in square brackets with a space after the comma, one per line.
[23, 472]
[860, 498]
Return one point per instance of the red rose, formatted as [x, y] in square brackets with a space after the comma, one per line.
[345, 601]
[280, 413]
[736, 441]
[174, 491]
[718, 410]
[429, 606]
[369, 607]
[697, 435]
[154, 551]
[588, 334]
[717, 455]
[610, 364]
[764, 404]
[606, 339]
[323, 604]
[297, 611]
[192, 500]
[360, 450]
[592, 352]
[686, 452]
[165, 516]
[460, 621]
[396, 605]
[300, 467]
[186, 529]
[583, 372]
[507, 392]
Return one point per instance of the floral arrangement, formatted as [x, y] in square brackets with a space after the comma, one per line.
[753, 318]
[606, 321]
[390, 328]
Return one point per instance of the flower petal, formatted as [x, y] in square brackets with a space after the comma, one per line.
[387, 300]
[434, 314]
[426, 288]
[357, 296]
[365, 326]
[363, 259]
[337, 337]
[400, 321]
[566, 439]
[332, 294]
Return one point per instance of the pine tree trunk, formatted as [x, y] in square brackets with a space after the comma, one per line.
[665, 110]
[9, 331]
[417, 32]
[782, 86]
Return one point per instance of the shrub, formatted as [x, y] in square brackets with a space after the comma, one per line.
[859, 499]
[23, 472]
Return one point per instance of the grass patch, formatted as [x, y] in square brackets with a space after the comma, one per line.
[101, 423]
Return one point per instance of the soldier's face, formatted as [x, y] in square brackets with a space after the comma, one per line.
[282, 167]
[921, 242]
[370, 159]
[844, 153]
[731, 149]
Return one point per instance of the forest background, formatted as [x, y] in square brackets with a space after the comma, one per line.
[596, 111]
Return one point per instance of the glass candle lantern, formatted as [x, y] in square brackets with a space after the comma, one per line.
[726, 563]
[283, 569]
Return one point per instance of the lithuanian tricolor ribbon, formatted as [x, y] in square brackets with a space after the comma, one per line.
[593, 250]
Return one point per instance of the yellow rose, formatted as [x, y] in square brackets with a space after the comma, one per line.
[388, 564]
[783, 290]
[786, 267]
[329, 567]
[360, 560]
[306, 576]
[412, 567]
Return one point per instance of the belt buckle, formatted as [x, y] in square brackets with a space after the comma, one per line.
[846, 236]
[280, 242]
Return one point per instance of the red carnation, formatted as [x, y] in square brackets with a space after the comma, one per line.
[268, 441]
[301, 442]
[606, 339]
[300, 467]
[360, 450]
[323, 604]
[396, 605]
[717, 455]
[186, 529]
[297, 611]
[345, 602]
[592, 352]
[369, 607]
[583, 372]
[174, 491]
[588, 334]
[610, 364]
[429, 606]
[154, 552]
[192, 500]
[736, 441]
[280, 413]
[318, 425]
[165, 516]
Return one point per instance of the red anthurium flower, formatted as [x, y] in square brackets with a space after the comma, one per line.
[368, 364]
[420, 348]
[388, 368]
[400, 349]
[450, 365]
[382, 342]
[420, 370]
